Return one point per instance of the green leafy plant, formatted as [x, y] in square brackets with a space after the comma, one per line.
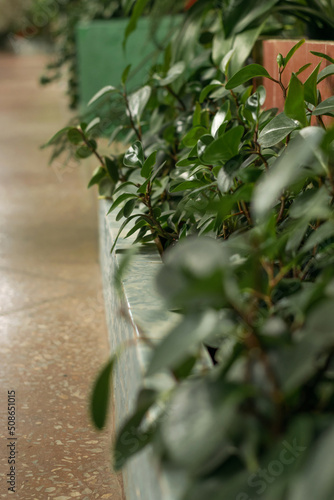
[239, 200]
[257, 289]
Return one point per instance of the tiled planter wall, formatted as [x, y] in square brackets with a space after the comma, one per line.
[138, 310]
[267, 51]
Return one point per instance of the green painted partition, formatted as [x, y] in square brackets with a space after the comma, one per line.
[101, 58]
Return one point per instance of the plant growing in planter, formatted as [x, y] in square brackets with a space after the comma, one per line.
[259, 422]
[254, 192]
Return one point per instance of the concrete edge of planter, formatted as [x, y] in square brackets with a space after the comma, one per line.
[139, 311]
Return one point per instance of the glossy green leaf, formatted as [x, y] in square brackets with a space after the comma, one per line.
[224, 147]
[120, 199]
[246, 74]
[292, 51]
[276, 130]
[101, 395]
[138, 100]
[227, 174]
[134, 157]
[219, 118]
[325, 108]
[109, 89]
[224, 65]
[303, 68]
[148, 165]
[328, 71]
[310, 87]
[294, 104]
[141, 223]
[324, 56]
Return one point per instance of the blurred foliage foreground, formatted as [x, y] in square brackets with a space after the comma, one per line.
[239, 201]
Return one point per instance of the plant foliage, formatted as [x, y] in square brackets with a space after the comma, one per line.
[239, 199]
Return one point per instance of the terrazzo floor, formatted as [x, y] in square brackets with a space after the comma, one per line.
[53, 337]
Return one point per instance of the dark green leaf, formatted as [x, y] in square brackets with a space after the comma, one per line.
[148, 165]
[83, 152]
[324, 56]
[328, 71]
[276, 130]
[135, 228]
[129, 207]
[75, 136]
[106, 187]
[310, 87]
[292, 51]
[294, 104]
[325, 108]
[303, 68]
[227, 173]
[136, 13]
[120, 199]
[224, 147]
[98, 175]
[143, 188]
[195, 133]
[101, 394]
[112, 168]
[247, 73]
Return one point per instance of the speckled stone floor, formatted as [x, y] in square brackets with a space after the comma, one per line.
[53, 336]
